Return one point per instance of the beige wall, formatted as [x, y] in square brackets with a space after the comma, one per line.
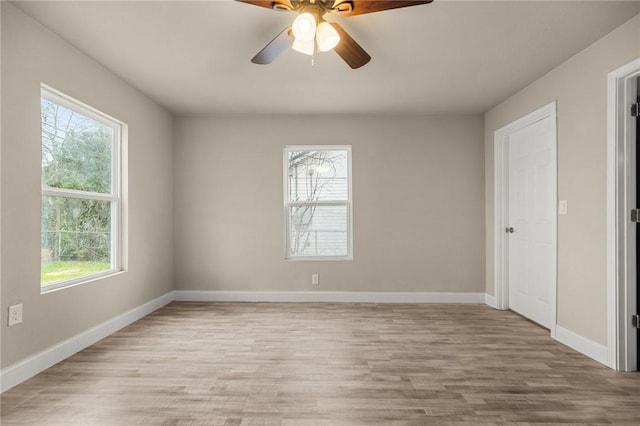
[580, 88]
[31, 55]
[418, 203]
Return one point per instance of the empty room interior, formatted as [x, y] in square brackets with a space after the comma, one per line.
[319, 212]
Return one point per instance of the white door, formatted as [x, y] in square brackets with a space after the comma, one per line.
[531, 221]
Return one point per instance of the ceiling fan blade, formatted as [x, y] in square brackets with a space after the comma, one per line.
[369, 6]
[270, 4]
[349, 50]
[274, 48]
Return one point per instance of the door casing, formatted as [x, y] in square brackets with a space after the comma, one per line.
[501, 213]
[621, 237]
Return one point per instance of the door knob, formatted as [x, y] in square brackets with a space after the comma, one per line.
[510, 230]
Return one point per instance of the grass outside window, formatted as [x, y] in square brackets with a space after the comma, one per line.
[51, 272]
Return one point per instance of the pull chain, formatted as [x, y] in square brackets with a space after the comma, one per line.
[313, 55]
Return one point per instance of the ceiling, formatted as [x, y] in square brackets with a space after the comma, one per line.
[459, 57]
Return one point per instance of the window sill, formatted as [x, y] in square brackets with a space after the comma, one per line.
[316, 258]
[62, 285]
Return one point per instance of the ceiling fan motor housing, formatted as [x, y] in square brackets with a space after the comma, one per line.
[320, 6]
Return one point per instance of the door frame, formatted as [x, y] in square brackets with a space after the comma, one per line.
[621, 187]
[501, 205]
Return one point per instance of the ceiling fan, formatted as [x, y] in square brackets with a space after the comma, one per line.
[310, 33]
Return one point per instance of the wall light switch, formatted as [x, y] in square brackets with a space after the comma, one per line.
[562, 207]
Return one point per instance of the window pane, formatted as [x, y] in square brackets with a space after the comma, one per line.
[76, 150]
[75, 238]
[318, 230]
[318, 176]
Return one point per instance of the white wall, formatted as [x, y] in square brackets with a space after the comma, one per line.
[580, 88]
[418, 199]
[31, 55]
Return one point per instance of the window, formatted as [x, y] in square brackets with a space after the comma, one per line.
[318, 202]
[80, 214]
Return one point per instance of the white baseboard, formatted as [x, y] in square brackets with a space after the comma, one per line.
[326, 296]
[23, 370]
[581, 344]
[490, 300]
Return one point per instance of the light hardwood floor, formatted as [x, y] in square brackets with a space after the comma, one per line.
[327, 364]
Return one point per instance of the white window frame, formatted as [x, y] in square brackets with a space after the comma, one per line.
[347, 203]
[115, 197]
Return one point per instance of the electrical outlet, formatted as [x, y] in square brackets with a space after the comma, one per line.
[15, 314]
[314, 279]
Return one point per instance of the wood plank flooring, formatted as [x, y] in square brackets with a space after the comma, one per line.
[326, 364]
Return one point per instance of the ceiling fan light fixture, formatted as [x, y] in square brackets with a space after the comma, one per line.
[327, 37]
[304, 27]
[306, 47]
